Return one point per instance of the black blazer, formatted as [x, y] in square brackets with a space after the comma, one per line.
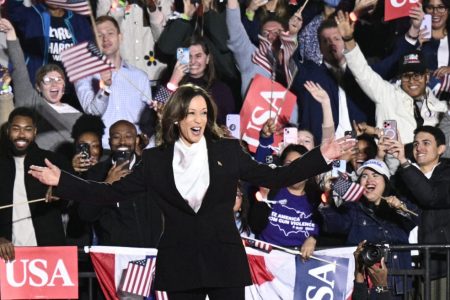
[200, 249]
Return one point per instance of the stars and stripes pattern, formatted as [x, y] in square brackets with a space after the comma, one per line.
[162, 94]
[78, 6]
[138, 277]
[257, 244]
[83, 60]
[346, 189]
[444, 89]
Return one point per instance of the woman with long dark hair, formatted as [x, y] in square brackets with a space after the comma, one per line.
[195, 173]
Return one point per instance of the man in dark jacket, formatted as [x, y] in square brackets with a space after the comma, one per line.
[427, 182]
[37, 224]
[133, 223]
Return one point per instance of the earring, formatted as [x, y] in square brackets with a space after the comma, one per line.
[176, 122]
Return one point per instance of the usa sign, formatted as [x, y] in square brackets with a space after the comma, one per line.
[394, 9]
[265, 99]
[40, 273]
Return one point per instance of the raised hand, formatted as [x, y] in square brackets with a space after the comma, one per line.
[317, 92]
[268, 128]
[179, 71]
[333, 149]
[345, 25]
[8, 29]
[255, 4]
[295, 23]
[416, 15]
[48, 175]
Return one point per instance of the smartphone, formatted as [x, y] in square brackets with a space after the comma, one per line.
[426, 25]
[339, 166]
[122, 155]
[84, 150]
[350, 133]
[233, 123]
[290, 135]
[390, 129]
[183, 56]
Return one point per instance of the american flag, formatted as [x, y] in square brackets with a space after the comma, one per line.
[257, 244]
[444, 88]
[79, 6]
[347, 189]
[162, 94]
[138, 277]
[83, 60]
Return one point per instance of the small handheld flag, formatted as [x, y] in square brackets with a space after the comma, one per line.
[346, 189]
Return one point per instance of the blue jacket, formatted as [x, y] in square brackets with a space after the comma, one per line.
[429, 51]
[33, 27]
[360, 107]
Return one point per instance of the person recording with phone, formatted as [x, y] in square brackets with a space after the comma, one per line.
[134, 223]
[196, 65]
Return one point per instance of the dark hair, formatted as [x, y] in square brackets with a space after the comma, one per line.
[243, 212]
[326, 24]
[103, 19]
[88, 123]
[310, 132]
[45, 69]
[210, 71]
[23, 112]
[176, 109]
[292, 148]
[439, 136]
[122, 122]
[372, 147]
[273, 18]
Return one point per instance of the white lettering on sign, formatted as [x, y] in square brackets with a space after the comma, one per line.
[37, 274]
[396, 3]
[321, 274]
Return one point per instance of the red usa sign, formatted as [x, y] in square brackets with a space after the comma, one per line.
[40, 273]
[265, 100]
[394, 9]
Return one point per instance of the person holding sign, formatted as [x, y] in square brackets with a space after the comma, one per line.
[201, 171]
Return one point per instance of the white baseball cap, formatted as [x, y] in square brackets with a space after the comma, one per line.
[376, 165]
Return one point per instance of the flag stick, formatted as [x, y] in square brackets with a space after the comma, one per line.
[403, 208]
[24, 202]
[287, 90]
[287, 250]
[303, 6]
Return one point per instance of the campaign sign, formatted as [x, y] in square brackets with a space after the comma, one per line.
[394, 9]
[40, 273]
[265, 99]
[321, 279]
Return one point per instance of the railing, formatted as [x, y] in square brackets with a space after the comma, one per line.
[89, 287]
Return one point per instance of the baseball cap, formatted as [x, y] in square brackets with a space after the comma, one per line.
[376, 165]
[413, 62]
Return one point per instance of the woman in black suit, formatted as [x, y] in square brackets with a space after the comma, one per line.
[195, 173]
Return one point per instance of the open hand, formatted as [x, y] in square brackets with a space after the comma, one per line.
[48, 175]
[317, 92]
[345, 26]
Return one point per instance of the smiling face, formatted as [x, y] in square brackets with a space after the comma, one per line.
[198, 61]
[123, 136]
[414, 84]
[306, 139]
[438, 12]
[332, 46]
[290, 157]
[271, 30]
[361, 154]
[110, 38]
[21, 133]
[426, 151]
[52, 87]
[374, 184]
[192, 127]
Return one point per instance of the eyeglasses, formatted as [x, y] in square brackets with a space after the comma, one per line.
[48, 80]
[414, 76]
[276, 32]
[436, 9]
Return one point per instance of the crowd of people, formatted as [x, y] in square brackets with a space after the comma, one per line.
[141, 156]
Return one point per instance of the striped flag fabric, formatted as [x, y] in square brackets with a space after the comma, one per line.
[444, 89]
[347, 189]
[257, 244]
[83, 60]
[138, 277]
[78, 6]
